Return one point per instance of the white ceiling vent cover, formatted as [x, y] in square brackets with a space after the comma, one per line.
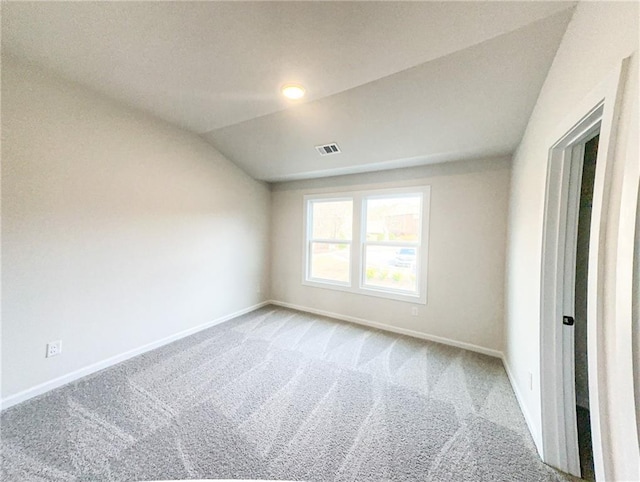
[328, 149]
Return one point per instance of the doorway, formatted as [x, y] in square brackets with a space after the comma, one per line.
[581, 356]
[566, 370]
[558, 443]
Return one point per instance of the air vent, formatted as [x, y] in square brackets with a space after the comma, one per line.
[328, 149]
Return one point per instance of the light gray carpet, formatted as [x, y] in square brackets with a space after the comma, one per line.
[279, 394]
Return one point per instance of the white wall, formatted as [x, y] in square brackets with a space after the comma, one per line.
[599, 36]
[118, 229]
[467, 236]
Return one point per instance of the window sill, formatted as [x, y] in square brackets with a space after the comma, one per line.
[406, 298]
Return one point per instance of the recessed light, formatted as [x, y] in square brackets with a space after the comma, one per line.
[293, 91]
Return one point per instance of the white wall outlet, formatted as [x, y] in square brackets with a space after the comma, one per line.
[54, 348]
[414, 311]
[530, 381]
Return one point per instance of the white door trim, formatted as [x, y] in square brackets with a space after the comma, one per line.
[599, 111]
[559, 436]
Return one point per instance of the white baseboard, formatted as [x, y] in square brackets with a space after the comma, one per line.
[88, 370]
[393, 329]
[523, 408]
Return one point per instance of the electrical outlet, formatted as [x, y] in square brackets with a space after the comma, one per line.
[530, 381]
[414, 311]
[54, 348]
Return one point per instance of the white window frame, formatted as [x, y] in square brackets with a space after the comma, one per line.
[358, 244]
[309, 240]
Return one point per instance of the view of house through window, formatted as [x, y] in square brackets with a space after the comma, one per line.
[367, 242]
[391, 242]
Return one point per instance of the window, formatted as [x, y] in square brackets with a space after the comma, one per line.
[329, 240]
[391, 242]
[368, 242]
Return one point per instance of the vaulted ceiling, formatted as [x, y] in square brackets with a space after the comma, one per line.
[394, 84]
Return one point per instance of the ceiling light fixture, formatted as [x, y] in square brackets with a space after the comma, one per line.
[293, 91]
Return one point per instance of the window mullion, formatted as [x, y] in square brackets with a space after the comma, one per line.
[356, 248]
[330, 241]
[392, 244]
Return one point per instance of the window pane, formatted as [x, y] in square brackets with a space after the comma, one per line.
[391, 267]
[394, 218]
[330, 261]
[332, 219]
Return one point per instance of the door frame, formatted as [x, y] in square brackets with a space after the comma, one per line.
[598, 112]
